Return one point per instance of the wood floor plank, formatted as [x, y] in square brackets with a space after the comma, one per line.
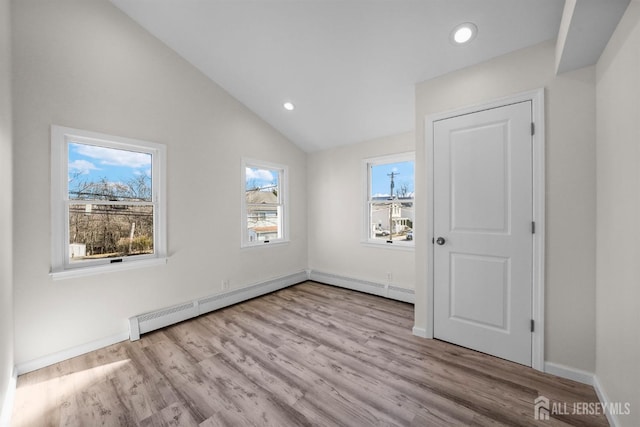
[157, 387]
[193, 338]
[253, 401]
[310, 354]
[316, 319]
[246, 360]
[403, 393]
[230, 418]
[184, 378]
[174, 415]
[254, 315]
[136, 394]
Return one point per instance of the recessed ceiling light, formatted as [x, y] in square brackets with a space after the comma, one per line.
[288, 106]
[464, 33]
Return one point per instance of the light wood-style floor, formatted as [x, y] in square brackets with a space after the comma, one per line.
[310, 354]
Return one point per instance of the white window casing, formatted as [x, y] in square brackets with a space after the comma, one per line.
[63, 250]
[264, 207]
[387, 232]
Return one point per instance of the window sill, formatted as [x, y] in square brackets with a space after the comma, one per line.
[264, 245]
[107, 268]
[392, 246]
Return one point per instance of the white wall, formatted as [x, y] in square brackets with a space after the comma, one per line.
[570, 186]
[6, 202]
[618, 213]
[336, 215]
[84, 64]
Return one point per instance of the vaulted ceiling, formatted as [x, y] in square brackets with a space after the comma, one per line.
[348, 66]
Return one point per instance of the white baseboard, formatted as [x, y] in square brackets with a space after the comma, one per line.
[9, 397]
[585, 378]
[379, 289]
[604, 399]
[419, 332]
[569, 373]
[50, 359]
[161, 318]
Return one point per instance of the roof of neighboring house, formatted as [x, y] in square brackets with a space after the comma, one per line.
[272, 228]
[260, 197]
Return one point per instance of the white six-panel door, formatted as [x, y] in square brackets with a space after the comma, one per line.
[483, 211]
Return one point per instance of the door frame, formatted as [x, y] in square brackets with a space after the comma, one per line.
[538, 151]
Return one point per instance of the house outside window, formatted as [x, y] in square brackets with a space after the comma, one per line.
[107, 202]
[389, 200]
[264, 207]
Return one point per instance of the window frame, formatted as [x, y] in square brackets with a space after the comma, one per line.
[283, 204]
[367, 164]
[61, 267]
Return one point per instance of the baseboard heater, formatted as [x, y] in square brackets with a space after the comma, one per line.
[379, 289]
[158, 319]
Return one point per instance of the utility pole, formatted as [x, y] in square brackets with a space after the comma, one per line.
[392, 185]
[133, 229]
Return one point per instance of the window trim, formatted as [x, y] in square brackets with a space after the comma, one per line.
[366, 166]
[283, 183]
[60, 265]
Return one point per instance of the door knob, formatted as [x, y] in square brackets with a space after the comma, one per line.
[440, 241]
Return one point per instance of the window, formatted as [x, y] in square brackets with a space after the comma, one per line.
[263, 203]
[389, 203]
[107, 202]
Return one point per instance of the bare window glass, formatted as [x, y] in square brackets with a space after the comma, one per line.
[391, 201]
[263, 201]
[110, 208]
